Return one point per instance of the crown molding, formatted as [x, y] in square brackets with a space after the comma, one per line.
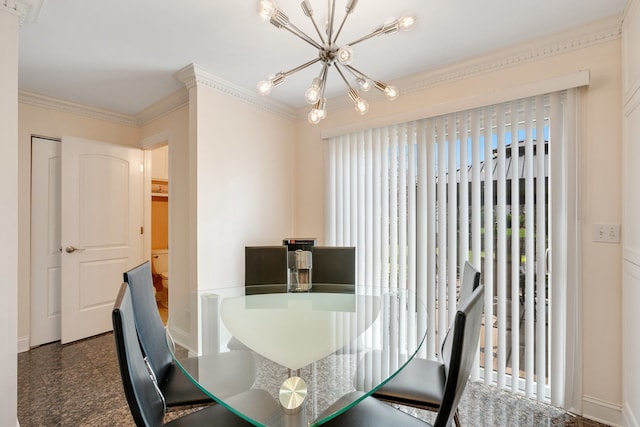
[176, 100]
[16, 8]
[169, 104]
[560, 43]
[601, 31]
[37, 100]
[194, 75]
[33, 10]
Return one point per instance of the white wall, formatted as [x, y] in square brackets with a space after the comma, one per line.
[631, 211]
[8, 213]
[459, 86]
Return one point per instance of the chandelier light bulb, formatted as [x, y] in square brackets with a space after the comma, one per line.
[406, 22]
[314, 117]
[365, 84]
[345, 55]
[264, 87]
[306, 8]
[322, 114]
[313, 93]
[391, 92]
[266, 9]
[362, 106]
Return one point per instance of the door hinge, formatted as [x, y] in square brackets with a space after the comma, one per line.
[141, 230]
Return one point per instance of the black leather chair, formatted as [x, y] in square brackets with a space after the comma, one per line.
[422, 382]
[176, 388]
[143, 395]
[465, 334]
[334, 269]
[470, 281]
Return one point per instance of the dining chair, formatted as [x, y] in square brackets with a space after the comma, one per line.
[465, 334]
[176, 388]
[421, 383]
[145, 399]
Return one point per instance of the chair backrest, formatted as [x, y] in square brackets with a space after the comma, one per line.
[148, 322]
[470, 281]
[464, 347]
[145, 402]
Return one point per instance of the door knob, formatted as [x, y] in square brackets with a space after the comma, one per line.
[70, 249]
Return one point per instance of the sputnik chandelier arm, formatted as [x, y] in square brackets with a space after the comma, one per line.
[330, 54]
[265, 86]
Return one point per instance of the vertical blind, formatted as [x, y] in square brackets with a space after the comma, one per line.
[418, 199]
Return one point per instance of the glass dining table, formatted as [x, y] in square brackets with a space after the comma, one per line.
[304, 351]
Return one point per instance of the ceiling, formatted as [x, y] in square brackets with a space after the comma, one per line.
[122, 55]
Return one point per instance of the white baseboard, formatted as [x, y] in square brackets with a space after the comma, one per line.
[601, 411]
[180, 337]
[628, 417]
[23, 344]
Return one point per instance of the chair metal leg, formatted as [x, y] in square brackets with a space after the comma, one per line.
[456, 419]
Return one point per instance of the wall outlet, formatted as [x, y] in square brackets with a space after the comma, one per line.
[606, 233]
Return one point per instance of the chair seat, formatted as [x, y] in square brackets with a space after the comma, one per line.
[259, 401]
[370, 412]
[419, 384]
[178, 389]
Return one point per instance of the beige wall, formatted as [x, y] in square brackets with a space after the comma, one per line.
[231, 186]
[8, 213]
[599, 196]
[631, 211]
[240, 171]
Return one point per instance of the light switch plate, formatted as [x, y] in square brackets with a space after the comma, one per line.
[606, 233]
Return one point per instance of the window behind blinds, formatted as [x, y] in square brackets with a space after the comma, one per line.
[417, 199]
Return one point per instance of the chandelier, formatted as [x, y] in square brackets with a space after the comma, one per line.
[330, 54]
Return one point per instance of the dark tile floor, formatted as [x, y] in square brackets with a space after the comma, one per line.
[79, 385]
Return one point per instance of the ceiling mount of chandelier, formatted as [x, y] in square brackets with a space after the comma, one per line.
[330, 54]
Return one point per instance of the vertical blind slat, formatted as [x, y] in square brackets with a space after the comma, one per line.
[351, 237]
[330, 194]
[359, 234]
[558, 205]
[541, 248]
[368, 211]
[529, 254]
[515, 249]
[441, 265]
[377, 209]
[488, 242]
[501, 215]
[431, 243]
[463, 238]
[422, 226]
[402, 206]
[476, 201]
[393, 205]
[386, 165]
[452, 220]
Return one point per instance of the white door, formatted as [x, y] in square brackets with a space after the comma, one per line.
[45, 241]
[101, 231]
